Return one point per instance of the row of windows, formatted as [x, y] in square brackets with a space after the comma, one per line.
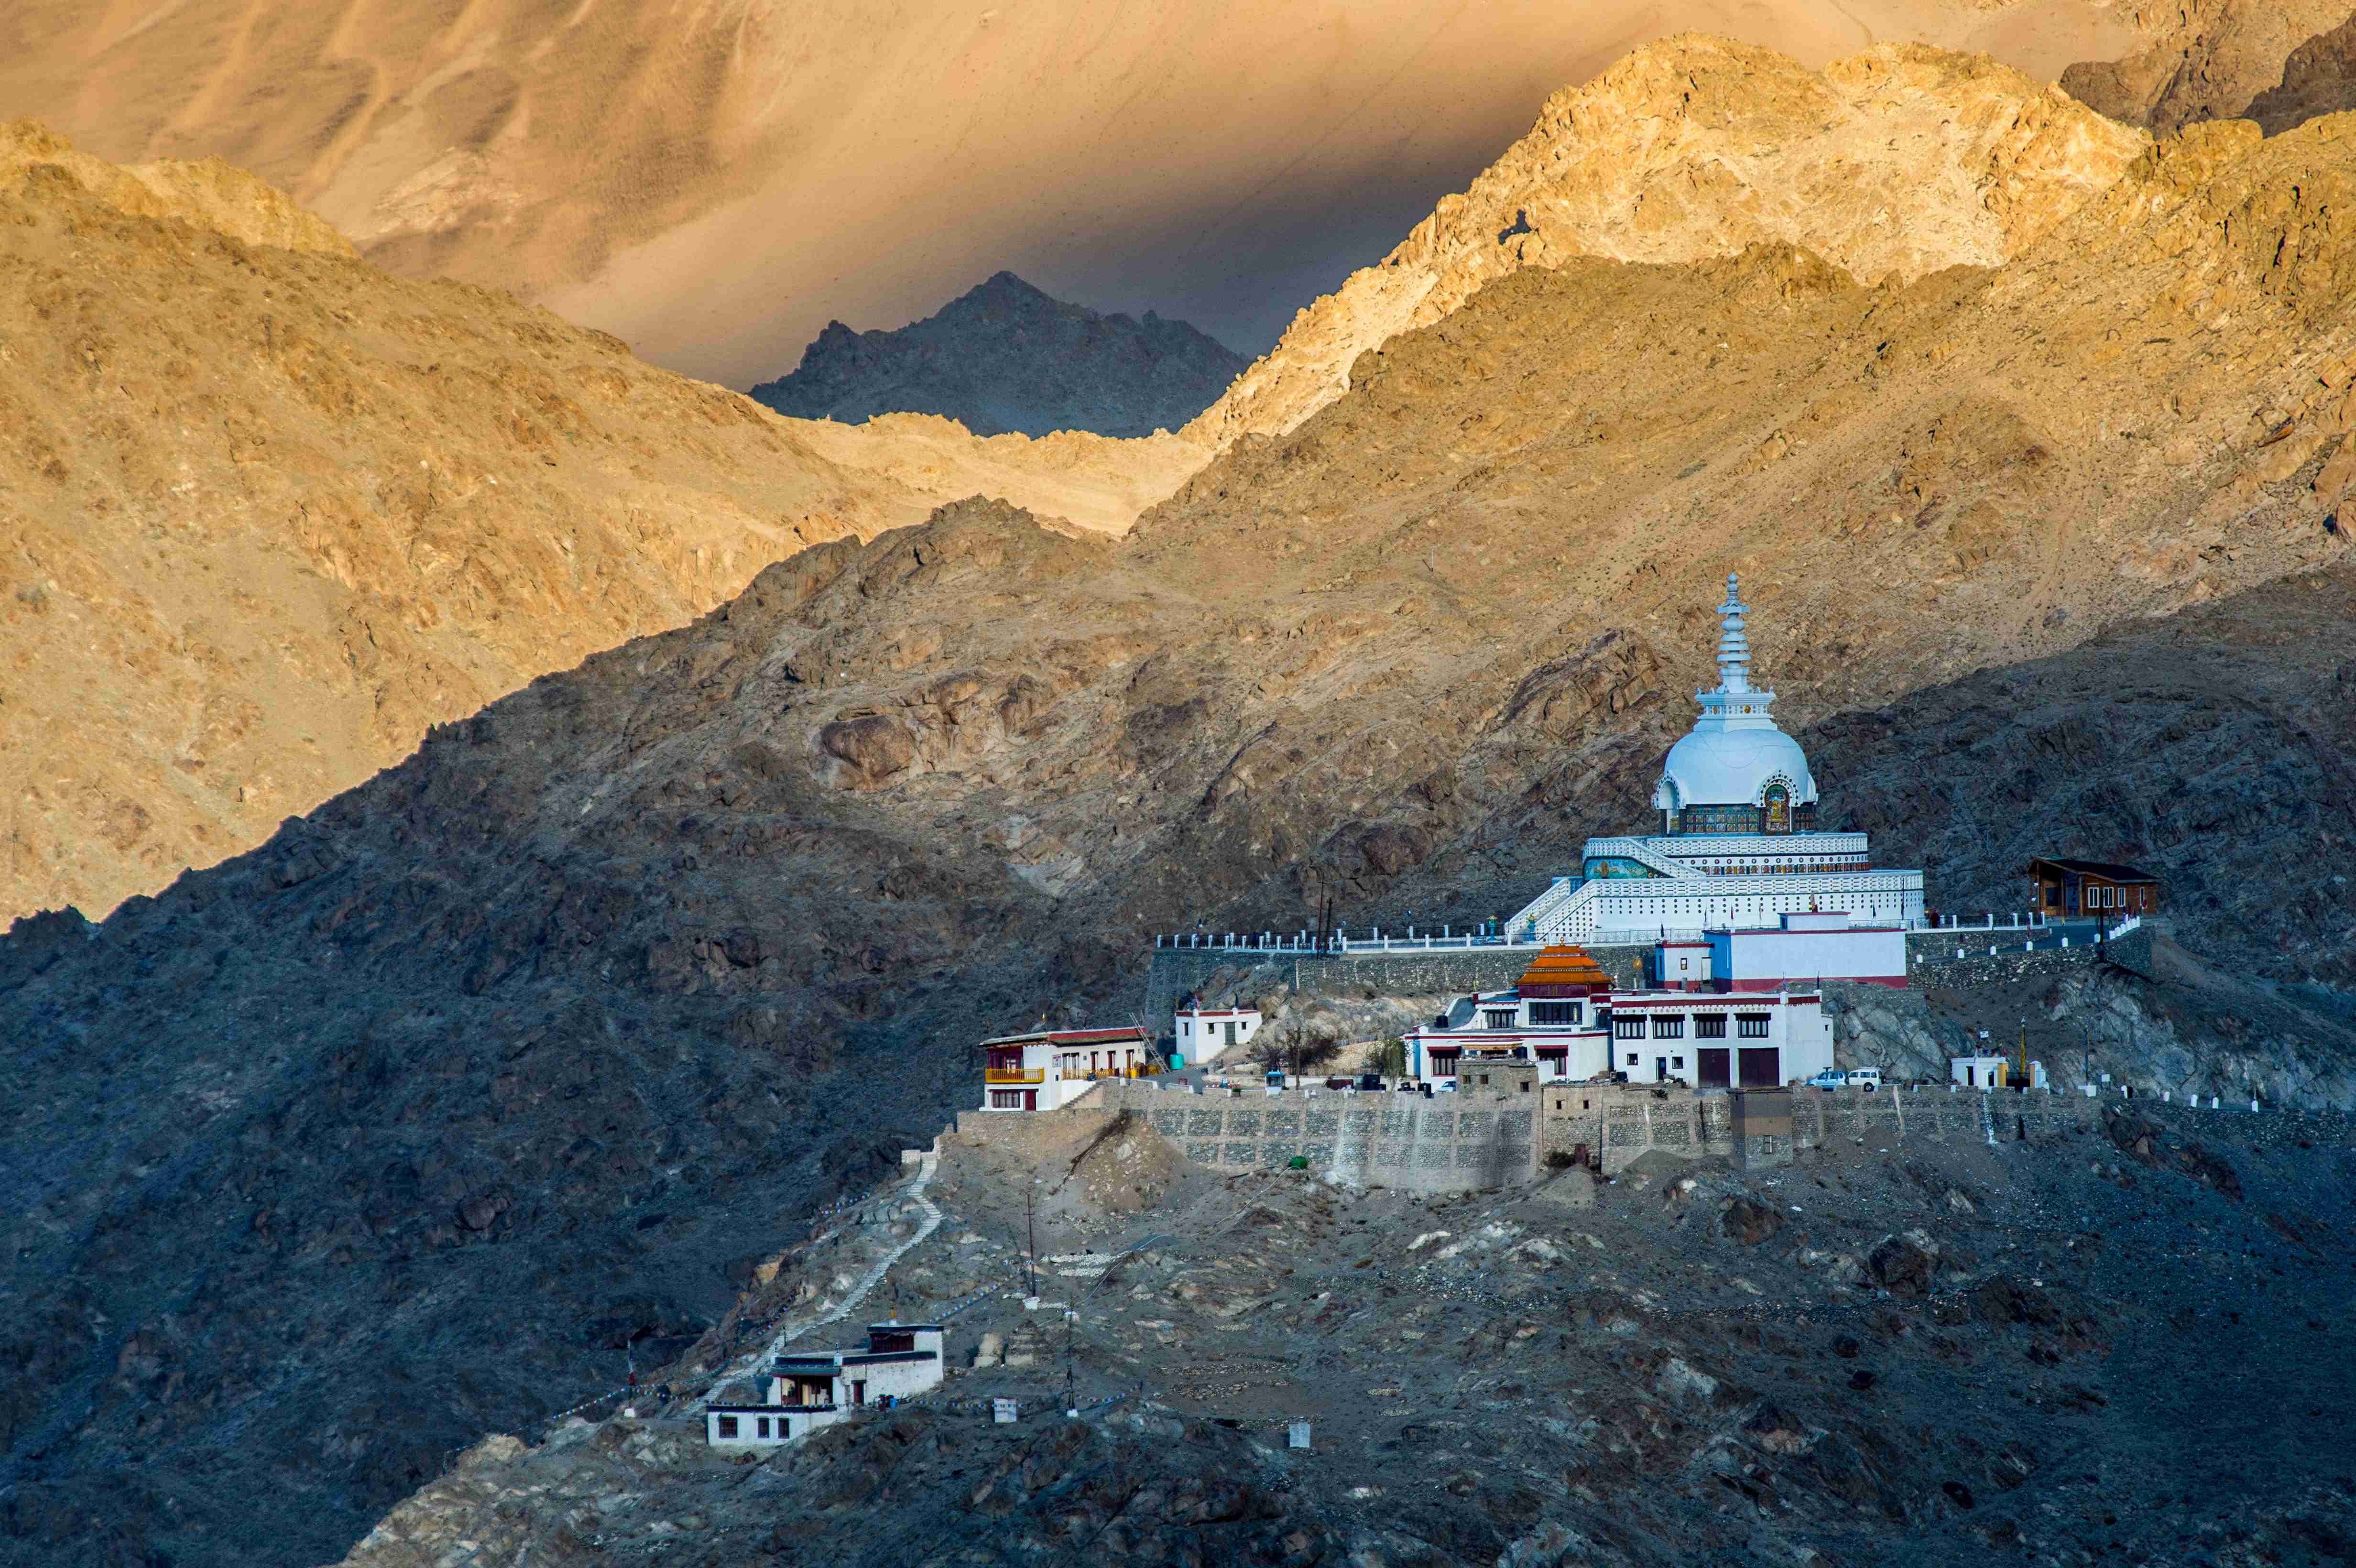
[1705, 1026]
[729, 1427]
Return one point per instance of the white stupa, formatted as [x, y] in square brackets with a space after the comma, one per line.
[1738, 846]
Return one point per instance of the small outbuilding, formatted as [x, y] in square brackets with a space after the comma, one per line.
[2074, 889]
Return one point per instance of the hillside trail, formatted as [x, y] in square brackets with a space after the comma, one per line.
[744, 1365]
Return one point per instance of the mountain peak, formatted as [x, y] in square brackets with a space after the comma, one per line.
[1005, 355]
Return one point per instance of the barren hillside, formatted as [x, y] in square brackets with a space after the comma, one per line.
[1894, 163]
[416, 1115]
[266, 513]
[2204, 59]
[716, 182]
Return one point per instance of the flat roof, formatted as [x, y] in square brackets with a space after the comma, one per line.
[853, 1357]
[1069, 1036]
[2109, 870]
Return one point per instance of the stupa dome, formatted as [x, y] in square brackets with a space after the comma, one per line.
[1735, 771]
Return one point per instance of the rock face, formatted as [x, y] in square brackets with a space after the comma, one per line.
[411, 1118]
[2318, 78]
[269, 513]
[1003, 356]
[713, 186]
[2210, 59]
[1699, 148]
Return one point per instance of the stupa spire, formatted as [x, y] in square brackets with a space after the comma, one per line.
[1733, 647]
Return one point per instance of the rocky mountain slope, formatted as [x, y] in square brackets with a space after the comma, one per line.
[411, 1118]
[1891, 163]
[1003, 356]
[2204, 59]
[267, 513]
[1932, 1354]
[714, 184]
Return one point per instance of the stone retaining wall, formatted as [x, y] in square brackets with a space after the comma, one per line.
[1467, 1142]
[1621, 1125]
[1454, 1143]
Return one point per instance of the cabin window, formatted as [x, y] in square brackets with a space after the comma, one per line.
[1555, 1012]
[1499, 1018]
[1709, 1026]
[1628, 1029]
[1669, 1027]
[1751, 1026]
[727, 1426]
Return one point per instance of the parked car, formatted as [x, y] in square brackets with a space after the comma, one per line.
[1446, 1087]
[1830, 1078]
[1866, 1078]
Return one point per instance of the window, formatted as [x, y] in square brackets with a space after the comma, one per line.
[1628, 1029]
[761, 1427]
[1555, 1012]
[1676, 1061]
[1632, 1059]
[1751, 1026]
[1669, 1027]
[727, 1426]
[1499, 1018]
[1709, 1026]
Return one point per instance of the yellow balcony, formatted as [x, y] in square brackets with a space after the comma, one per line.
[1013, 1075]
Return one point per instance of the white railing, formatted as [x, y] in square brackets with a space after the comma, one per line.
[1548, 904]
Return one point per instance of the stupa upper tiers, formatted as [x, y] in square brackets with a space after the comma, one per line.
[1735, 771]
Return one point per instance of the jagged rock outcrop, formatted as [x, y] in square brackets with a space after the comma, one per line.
[2318, 78]
[1004, 357]
[1894, 163]
[267, 513]
[2206, 59]
[712, 186]
[483, 1069]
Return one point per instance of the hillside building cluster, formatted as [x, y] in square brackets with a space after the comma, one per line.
[804, 1392]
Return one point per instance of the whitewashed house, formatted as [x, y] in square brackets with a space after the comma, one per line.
[1205, 1034]
[804, 1392]
[1048, 1069]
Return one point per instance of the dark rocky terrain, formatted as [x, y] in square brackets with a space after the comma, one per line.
[1004, 357]
[396, 1131]
[1940, 1353]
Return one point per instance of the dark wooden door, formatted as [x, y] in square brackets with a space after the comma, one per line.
[1714, 1068]
[1763, 1067]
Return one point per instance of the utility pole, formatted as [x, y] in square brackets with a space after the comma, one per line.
[1031, 1235]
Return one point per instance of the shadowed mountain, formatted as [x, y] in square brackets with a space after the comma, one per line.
[1003, 356]
[407, 1122]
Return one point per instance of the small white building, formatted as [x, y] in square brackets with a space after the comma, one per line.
[1205, 1034]
[1552, 1017]
[1721, 1039]
[1808, 948]
[802, 1392]
[1051, 1068]
[1979, 1072]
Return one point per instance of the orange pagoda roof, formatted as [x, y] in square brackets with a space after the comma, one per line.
[1563, 967]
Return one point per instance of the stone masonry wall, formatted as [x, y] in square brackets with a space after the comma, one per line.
[1621, 1125]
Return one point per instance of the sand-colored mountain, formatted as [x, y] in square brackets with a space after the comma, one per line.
[2203, 59]
[1893, 163]
[266, 513]
[492, 1063]
[713, 183]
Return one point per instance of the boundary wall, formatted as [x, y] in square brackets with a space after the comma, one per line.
[1467, 1142]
